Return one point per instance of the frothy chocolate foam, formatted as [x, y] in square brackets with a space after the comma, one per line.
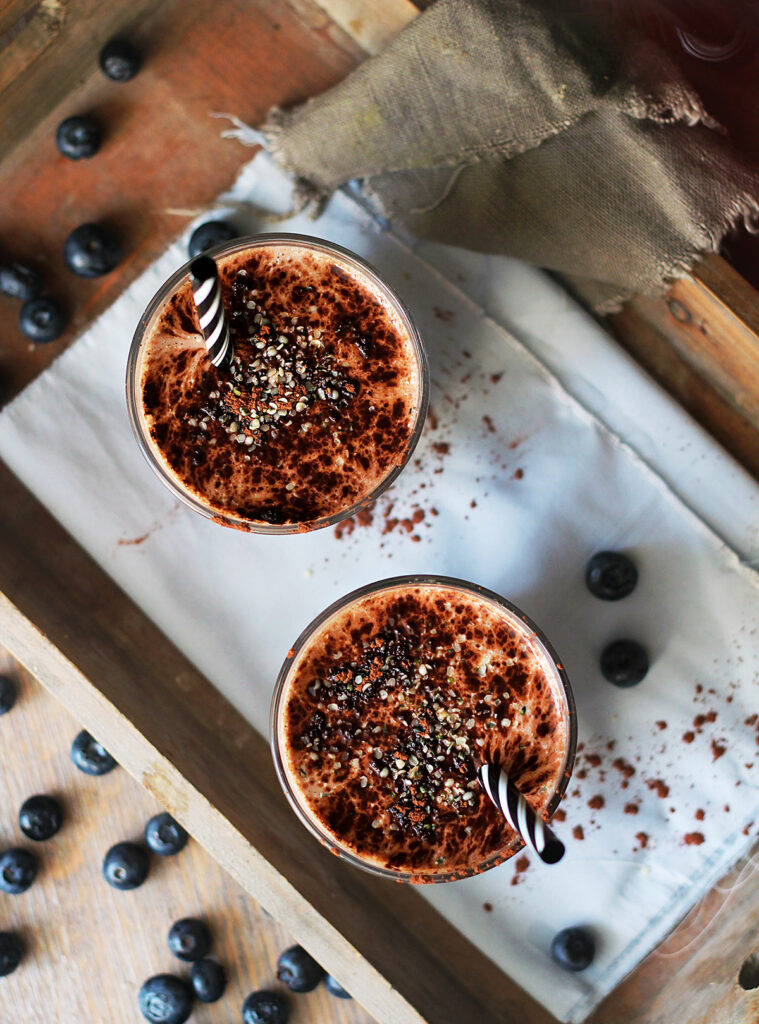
[318, 406]
[391, 706]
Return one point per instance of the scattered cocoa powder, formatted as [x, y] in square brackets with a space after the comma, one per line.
[441, 448]
[520, 866]
[495, 377]
[581, 774]
[694, 838]
[747, 828]
[688, 737]
[642, 838]
[489, 424]
[596, 802]
[593, 760]
[560, 815]
[699, 815]
[346, 528]
[518, 474]
[718, 750]
[487, 907]
[631, 808]
[365, 516]
[443, 314]
[624, 767]
[578, 832]
[661, 725]
[661, 788]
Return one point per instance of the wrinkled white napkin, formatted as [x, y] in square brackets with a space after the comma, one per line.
[518, 484]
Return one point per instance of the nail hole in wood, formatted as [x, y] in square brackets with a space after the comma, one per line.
[748, 976]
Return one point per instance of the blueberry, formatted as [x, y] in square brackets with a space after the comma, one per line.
[18, 869]
[611, 575]
[165, 999]
[120, 60]
[208, 980]
[189, 939]
[20, 281]
[573, 949]
[126, 866]
[78, 138]
[90, 756]
[624, 662]
[165, 836]
[335, 988]
[213, 232]
[41, 320]
[91, 250]
[40, 817]
[265, 1007]
[7, 694]
[11, 952]
[298, 970]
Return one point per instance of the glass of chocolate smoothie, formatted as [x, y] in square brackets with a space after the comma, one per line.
[387, 704]
[321, 407]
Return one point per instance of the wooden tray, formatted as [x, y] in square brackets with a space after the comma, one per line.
[64, 619]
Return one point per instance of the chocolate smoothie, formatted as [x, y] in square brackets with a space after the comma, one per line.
[385, 710]
[322, 402]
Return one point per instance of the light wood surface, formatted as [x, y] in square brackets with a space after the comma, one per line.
[701, 342]
[89, 947]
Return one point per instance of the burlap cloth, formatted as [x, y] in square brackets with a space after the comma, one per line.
[521, 127]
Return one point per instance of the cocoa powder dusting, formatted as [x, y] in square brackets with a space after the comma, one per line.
[688, 737]
[660, 788]
[699, 815]
[694, 838]
[578, 832]
[642, 838]
[631, 808]
[718, 750]
[596, 802]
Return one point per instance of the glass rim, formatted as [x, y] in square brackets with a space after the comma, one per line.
[277, 705]
[133, 389]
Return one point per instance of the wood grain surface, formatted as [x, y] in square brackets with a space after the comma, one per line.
[89, 947]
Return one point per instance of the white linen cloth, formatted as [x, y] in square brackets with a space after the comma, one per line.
[530, 485]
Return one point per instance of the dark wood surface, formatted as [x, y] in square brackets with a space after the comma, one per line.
[88, 947]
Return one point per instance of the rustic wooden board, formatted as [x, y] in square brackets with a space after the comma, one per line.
[701, 342]
[90, 947]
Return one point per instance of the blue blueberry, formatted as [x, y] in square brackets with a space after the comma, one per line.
[165, 999]
[213, 232]
[126, 866]
[611, 575]
[40, 817]
[624, 663]
[91, 250]
[208, 980]
[165, 836]
[265, 1007]
[189, 939]
[573, 949]
[298, 970]
[20, 281]
[7, 694]
[18, 869]
[120, 60]
[11, 953]
[90, 756]
[335, 988]
[41, 320]
[78, 138]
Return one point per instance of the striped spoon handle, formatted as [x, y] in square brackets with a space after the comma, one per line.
[206, 293]
[519, 814]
